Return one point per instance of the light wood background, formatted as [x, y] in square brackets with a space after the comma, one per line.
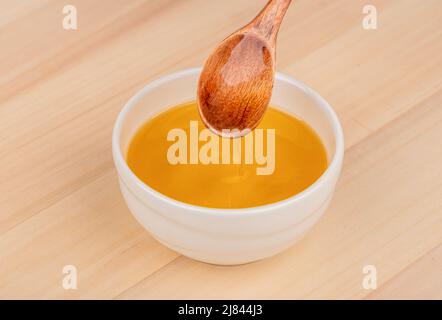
[60, 92]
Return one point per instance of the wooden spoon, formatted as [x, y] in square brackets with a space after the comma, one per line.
[236, 83]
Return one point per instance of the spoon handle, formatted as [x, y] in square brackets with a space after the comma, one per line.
[268, 21]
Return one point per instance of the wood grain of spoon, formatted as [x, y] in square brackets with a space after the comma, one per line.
[236, 83]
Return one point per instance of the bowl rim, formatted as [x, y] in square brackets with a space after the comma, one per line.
[123, 168]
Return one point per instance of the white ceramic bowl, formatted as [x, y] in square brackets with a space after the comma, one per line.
[226, 236]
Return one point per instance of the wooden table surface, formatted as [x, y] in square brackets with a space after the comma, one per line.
[61, 90]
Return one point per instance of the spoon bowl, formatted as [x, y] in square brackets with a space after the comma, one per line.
[236, 83]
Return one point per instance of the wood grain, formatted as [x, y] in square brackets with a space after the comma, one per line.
[60, 92]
